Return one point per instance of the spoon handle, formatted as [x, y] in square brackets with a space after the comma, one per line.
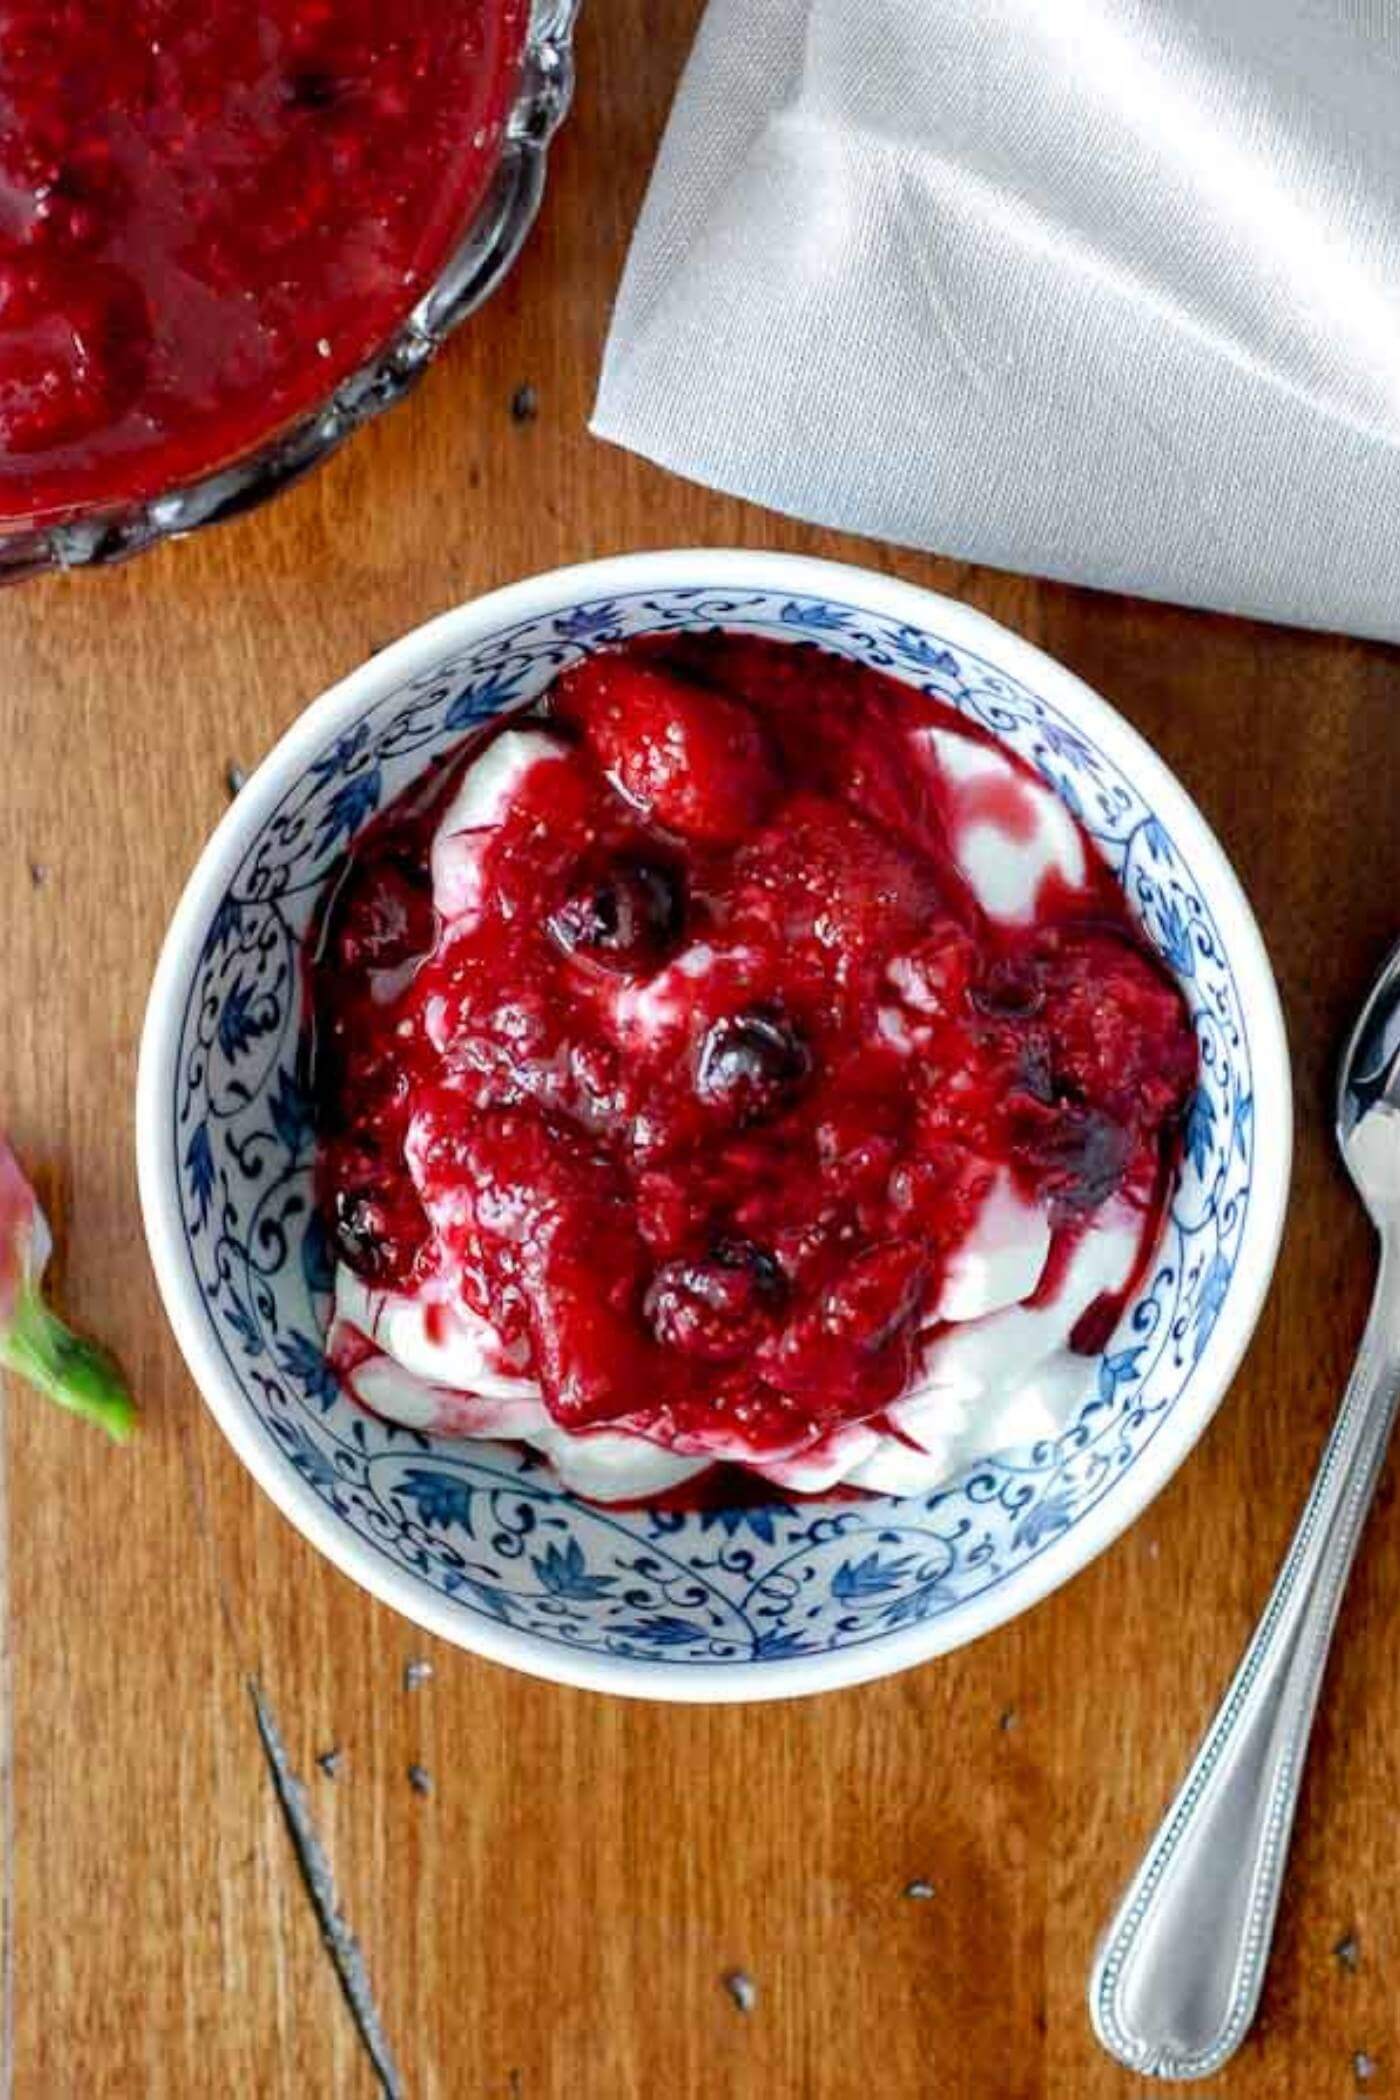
[1177, 1975]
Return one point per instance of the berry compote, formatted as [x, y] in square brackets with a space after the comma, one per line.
[749, 1050]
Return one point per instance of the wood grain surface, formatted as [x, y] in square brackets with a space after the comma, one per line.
[556, 1917]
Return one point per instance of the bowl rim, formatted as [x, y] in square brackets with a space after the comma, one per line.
[880, 594]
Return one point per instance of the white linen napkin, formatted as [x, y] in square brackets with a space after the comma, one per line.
[1106, 290]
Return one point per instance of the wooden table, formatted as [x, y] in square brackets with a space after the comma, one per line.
[557, 1916]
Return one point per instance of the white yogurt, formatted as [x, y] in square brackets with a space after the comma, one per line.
[1004, 868]
[1002, 1259]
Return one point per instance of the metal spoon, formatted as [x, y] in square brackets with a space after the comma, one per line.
[1177, 1976]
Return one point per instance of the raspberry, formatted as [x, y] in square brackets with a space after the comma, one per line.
[696, 763]
[719, 1308]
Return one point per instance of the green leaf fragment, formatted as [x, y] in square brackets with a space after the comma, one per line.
[78, 1374]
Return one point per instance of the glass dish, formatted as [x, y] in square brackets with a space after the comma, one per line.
[481, 258]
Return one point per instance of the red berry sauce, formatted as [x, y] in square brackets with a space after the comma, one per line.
[211, 211]
[647, 1108]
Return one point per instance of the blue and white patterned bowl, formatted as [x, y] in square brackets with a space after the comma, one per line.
[476, 1542]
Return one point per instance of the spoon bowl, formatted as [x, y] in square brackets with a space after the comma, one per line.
[1368, 1096]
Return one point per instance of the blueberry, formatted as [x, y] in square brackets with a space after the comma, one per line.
[313, 87]
[718, 1307]
[761, 1270]
[383, 914]
[1081, 1156]
[377, 1228]
[357, 1229]
[752, 1063]
[1010, 990]
[627, 916]
[1034, 1071]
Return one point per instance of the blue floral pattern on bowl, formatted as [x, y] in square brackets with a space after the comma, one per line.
[486, 1526]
